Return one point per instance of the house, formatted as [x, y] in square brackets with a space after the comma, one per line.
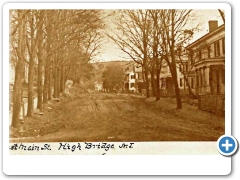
[207, 74]
[133, 79]
[98, 86]
[207, 61]
[166, 81]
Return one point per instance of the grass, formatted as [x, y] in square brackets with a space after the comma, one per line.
[111, 117]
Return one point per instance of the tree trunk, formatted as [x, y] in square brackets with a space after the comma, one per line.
[46, 83]
[177, 90]
[55, 94]
[47, 73]
[40, 90]
[156, 60]
[49, 62]
[50, 82]
[147, 81]
[58, 81]
[75, 75]
[19, 72]
[17, 94]
[174, 70]
[157, 85]
[62, 80]
[31, 71]
[153, 82]
[40, 64]
[30, 87]
[189, 87]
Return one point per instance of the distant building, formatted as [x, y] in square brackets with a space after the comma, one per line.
[133, 80]
[134, 77]
[98, 86]
[181, 67]
[207, 61]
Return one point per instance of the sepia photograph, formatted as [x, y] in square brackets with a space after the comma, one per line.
[116, 75]
[117, 88]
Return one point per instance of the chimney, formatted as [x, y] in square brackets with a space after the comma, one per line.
[212, 25]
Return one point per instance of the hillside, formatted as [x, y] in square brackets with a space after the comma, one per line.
[101, 66]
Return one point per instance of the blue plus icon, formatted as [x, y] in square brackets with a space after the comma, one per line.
[227, 145]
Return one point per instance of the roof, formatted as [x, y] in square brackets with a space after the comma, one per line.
[220, 28]
[97, 82]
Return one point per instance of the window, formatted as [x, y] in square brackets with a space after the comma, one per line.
[217, 49]
[181, 82]
[140, 75]
[186, 67]
[197, 81]
[136, 75]
[163, 83]
[127, 77]
[191, 56]
[223, 45]
[132, 77]
[209, 51]
[132, 85]
[191, 82]
[200, 83]
[180, 67]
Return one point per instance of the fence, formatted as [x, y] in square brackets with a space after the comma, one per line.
[212, 103]
[167, 92]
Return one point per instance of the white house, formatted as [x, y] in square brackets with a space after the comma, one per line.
[207, 57]
[98, 86]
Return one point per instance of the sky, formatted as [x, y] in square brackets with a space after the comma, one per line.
[111, 52]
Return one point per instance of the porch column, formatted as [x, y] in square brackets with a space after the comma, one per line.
[201, 80]
[204, 80]
[207, 72]
[196, 81]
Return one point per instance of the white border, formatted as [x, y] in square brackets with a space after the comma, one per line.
[128, 165]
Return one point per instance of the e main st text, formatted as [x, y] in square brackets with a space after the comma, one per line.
[71, 146]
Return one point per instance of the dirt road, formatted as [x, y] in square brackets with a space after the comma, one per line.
[113, 117]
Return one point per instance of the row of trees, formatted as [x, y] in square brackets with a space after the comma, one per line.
[55, 45]
[113, 78]
[151, 38]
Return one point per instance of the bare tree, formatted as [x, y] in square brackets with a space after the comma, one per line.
[20, 64]
[222, 14]
[134, 27]
[185, 72]
[31, 43]
[173, 20]
[40, 60]
[50, 40]
[157, 50]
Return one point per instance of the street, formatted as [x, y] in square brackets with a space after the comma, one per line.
[99, 117]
